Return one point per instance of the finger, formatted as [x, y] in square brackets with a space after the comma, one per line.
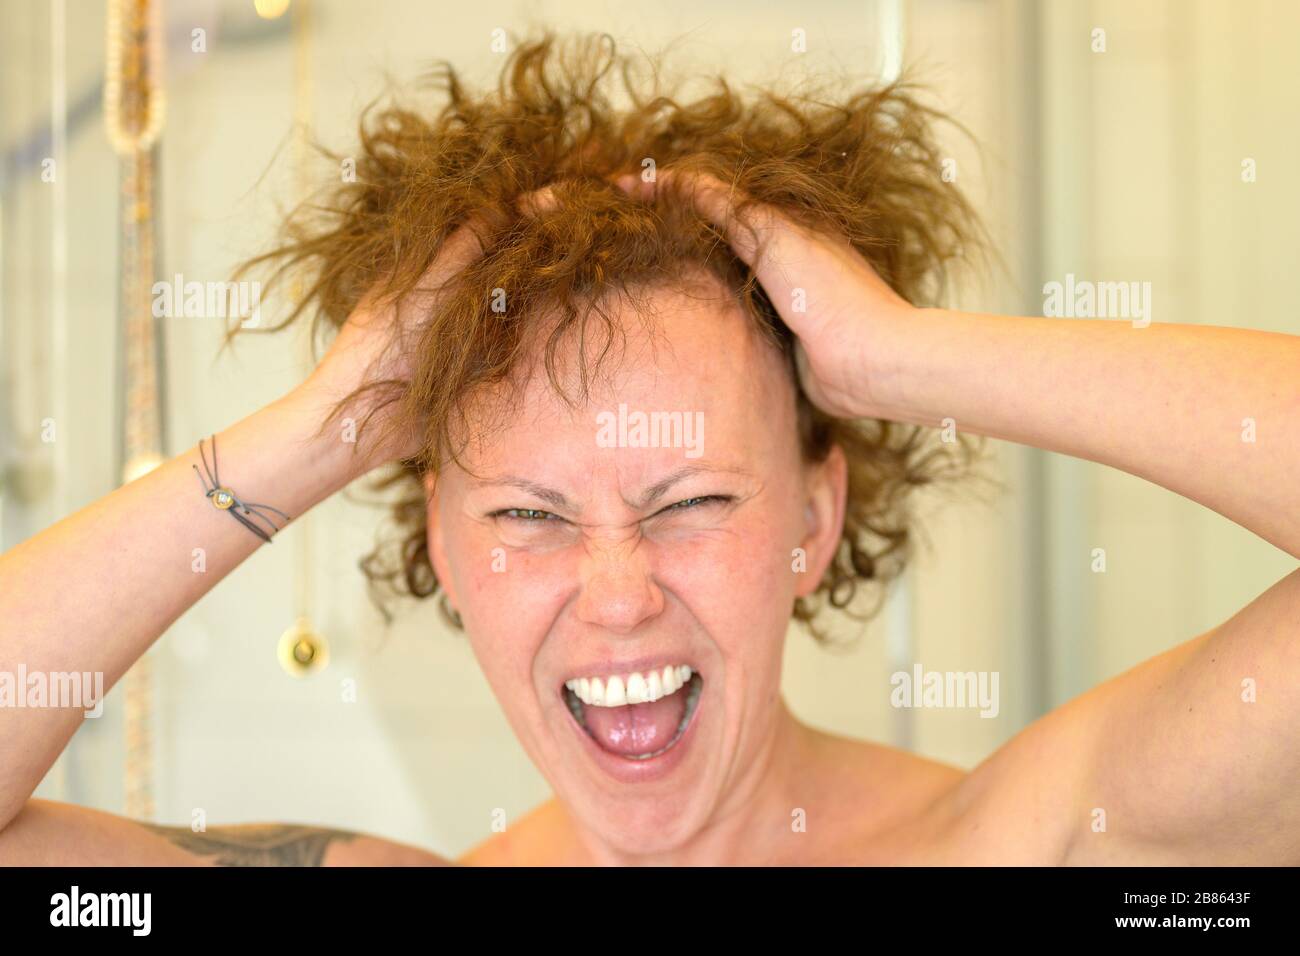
[460, 249]
[717, 201]
[465, 245]
[538, 201]
[635, 186]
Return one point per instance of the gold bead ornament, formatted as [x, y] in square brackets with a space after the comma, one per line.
[302, 651]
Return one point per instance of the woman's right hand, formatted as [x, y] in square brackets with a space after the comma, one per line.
[375, 345]
[377, 342]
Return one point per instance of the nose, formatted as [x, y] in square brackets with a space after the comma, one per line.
[618, 589]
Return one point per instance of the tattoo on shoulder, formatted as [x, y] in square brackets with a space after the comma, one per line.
[269, 844]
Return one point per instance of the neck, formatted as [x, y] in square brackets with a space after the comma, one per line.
[751, 820]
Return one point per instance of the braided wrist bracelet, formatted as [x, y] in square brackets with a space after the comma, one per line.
[224, 499]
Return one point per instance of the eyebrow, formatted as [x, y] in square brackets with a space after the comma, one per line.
[549, 495]
[651, 495]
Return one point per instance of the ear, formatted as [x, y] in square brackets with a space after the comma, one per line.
[827, 492]
[434, 537]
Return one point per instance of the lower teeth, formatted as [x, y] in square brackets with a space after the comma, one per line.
[694, 686]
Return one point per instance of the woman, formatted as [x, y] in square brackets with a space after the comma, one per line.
[513, 284]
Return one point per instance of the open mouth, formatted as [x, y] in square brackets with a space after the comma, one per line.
[639, 715]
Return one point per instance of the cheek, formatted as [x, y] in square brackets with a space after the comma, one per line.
[738, 583]
[504, 603]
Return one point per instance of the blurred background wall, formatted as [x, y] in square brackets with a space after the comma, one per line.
[1121, 163]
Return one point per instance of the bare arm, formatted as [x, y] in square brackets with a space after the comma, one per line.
[1191, 756]
[1210, 413]
[56, 834]
[1185, 759]
[93, 592]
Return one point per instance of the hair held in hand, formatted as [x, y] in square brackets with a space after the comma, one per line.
[574, 113]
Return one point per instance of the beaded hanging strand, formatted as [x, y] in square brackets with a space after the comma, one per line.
[133, 119]
[302, 648]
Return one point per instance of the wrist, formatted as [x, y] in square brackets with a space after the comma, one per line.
[322, 442]
[890, 363]
[931, 359]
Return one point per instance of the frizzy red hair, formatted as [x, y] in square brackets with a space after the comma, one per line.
[863, 164]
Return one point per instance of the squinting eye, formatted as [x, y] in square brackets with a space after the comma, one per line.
[696, 502]
[537, 516]
[524, 514]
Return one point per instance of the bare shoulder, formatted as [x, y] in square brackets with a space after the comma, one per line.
[542, 836]
[868, 803]
[892, 782]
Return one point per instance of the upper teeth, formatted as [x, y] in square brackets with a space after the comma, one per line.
[634, 688]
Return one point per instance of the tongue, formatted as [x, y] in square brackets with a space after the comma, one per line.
[635, 729]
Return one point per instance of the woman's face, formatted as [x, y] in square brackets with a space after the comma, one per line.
[574, 554]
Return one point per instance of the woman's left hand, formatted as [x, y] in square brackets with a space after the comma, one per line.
[824, 290]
